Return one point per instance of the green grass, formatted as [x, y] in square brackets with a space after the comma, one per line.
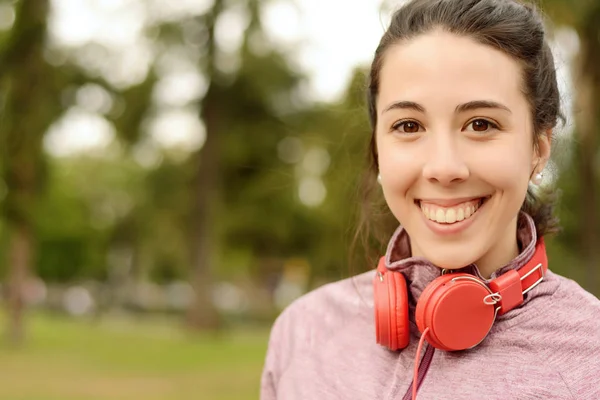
[129, 359]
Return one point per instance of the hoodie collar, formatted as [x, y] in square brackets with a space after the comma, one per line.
[419, 272]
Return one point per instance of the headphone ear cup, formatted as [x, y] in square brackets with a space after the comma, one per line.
[402, 325]
[391, 310]
[381, 297]
[423, 306]
[453, 308]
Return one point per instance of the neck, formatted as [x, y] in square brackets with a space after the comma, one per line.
[505, 250]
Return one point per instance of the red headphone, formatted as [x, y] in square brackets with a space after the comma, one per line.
[458, 308]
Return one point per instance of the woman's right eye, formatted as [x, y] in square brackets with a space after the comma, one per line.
[406, 127]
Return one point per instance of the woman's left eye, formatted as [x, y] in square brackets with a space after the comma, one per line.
[481, 125]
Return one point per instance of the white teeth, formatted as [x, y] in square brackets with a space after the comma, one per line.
[450, 215]
[440, 216]
[460, 215]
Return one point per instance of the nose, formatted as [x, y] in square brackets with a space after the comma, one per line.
[445, 163]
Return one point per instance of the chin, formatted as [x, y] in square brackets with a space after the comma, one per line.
[450, 261]
[453, 256]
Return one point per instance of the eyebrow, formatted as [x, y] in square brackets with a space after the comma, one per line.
[405, 105]
[477, 104]
[471, 105]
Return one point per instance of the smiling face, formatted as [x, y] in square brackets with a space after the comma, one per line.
[455, 144]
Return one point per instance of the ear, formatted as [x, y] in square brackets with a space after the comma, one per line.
[542, 150]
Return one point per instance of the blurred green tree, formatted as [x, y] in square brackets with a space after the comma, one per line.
[579, 175]
[31, 101]
[238, 176]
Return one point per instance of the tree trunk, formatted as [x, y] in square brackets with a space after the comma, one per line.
[19, 255]
[588, 96]
[28, 111]
[202, 314]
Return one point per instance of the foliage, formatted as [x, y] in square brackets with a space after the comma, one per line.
[275, 148]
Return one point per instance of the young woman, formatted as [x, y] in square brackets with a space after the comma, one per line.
[463, 100]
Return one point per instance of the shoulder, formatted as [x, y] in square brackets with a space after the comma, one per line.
[324, 307]
[558, 304]
[562, 310]
[569, 326]
[574, 307]
[310, 320]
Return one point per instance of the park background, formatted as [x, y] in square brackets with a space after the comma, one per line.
[175, 172]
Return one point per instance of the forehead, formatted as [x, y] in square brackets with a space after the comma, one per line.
[443, 69]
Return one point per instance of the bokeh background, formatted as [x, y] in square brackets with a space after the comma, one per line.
[175, 172]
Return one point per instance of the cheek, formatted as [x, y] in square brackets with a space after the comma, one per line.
[506, 166]
[395, 162]
[399, 168]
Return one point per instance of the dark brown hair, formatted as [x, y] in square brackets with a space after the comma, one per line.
[510, 26]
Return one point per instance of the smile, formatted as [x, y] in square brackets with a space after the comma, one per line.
[451, 214]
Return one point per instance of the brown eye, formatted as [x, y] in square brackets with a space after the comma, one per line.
[482, 125]
[411, 127]
[406, 127]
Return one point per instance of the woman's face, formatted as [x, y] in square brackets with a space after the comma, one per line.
[455, 142]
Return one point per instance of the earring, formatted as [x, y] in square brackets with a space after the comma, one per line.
[537, 179]
[379, 178]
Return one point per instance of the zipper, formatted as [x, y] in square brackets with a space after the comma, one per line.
[423, 368]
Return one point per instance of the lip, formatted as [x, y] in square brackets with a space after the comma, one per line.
[450, 202]
[452, 229]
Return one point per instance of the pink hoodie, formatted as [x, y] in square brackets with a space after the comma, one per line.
[323, 345]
